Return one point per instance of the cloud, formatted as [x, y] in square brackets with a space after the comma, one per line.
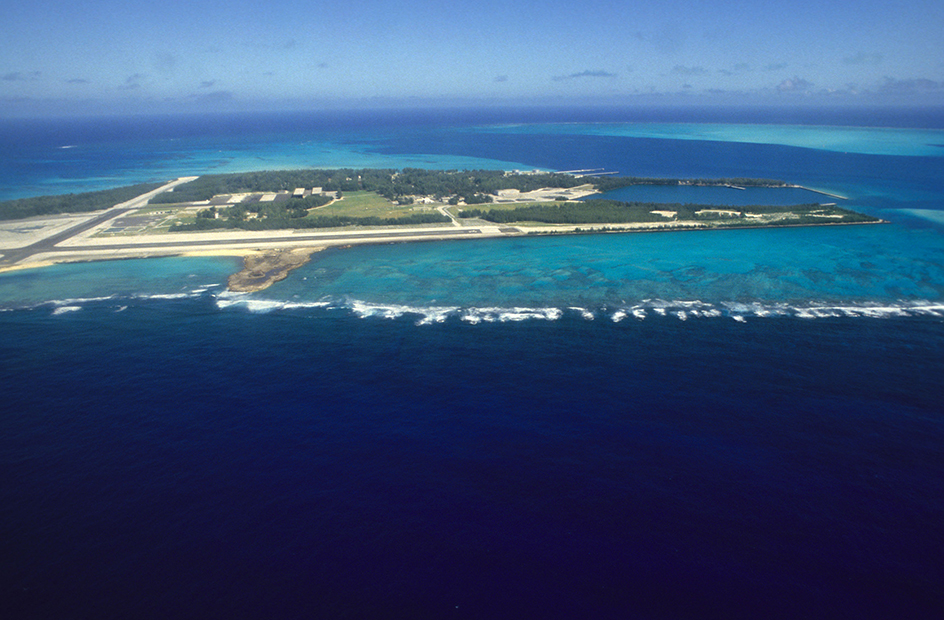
[680, 70]
[133, 81]
[165, 62]
[910, 86]
[667, 40]
[500, 78]
[737, 69]
[795, 85]
[207, 83]
[17, 76]
[775, 66]
[217, 96]
[862, 58]
[583, 74]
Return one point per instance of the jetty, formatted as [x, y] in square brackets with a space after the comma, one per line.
[589, 172]
[819, 191]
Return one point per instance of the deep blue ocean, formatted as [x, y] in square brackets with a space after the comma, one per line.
[704, 424]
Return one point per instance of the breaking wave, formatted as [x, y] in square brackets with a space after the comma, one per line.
[119, 302]
[682, 310]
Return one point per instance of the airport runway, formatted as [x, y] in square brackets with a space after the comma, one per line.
[11, 257]
[52, 245]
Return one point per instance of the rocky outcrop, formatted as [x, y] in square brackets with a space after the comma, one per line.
[266, 267]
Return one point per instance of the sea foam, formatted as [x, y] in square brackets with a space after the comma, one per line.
[682, 310]
[428, 314]
[504, 315]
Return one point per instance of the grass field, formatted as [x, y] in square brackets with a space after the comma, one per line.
[507, 206]
[367, 204]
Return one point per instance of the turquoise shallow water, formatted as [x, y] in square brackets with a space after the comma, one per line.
[905, 142]
[841, 271]
[730, 273]
[69, 285]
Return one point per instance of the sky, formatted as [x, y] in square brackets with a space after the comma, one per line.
[115, 56]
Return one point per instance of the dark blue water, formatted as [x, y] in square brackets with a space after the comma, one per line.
[337, 467]
[170, 451]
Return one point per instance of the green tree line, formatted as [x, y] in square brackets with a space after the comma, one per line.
[605, 184]
[320, 221]
[71, 203]
[600, 211]
[391, 184]
[466, 185]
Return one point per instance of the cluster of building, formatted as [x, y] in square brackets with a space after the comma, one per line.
[301, 192]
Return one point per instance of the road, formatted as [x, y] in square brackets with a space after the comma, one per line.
[11, 257]
[455, 222]
[297, 239]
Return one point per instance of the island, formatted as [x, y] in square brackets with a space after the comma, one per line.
[275, 220]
